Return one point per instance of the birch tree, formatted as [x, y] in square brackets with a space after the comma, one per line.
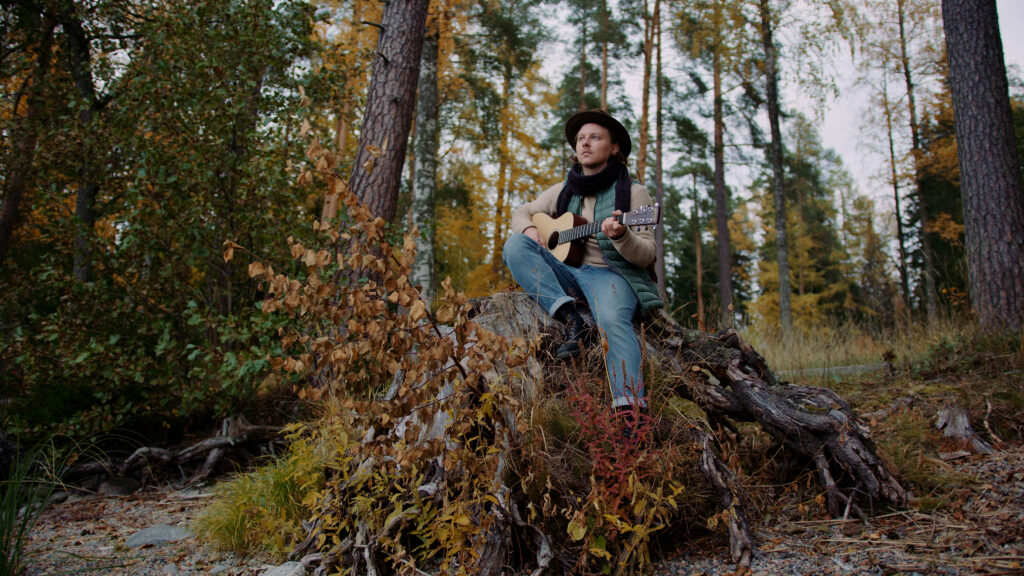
[424, 180]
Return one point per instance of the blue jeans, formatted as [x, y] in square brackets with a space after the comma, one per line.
[608, 295]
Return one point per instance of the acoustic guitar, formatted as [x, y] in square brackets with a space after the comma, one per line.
[564, 236]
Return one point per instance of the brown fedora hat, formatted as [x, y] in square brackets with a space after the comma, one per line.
[619, 134]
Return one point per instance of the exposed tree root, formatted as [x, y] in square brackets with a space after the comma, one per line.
[236, 432]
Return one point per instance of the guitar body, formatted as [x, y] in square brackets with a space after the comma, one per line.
[570, 252]
[564, 236]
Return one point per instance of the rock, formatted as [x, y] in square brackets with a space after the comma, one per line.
[171, 569]
[58, 497]
[155, 535]
[287, 569]
[219, 568]
[119, 486]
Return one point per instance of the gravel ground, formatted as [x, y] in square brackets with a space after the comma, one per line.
[979, 530]
[90, 535]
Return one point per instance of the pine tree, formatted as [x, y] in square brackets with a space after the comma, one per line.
[389, 110]
[993, 194]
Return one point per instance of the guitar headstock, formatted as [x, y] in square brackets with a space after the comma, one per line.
[643, 216]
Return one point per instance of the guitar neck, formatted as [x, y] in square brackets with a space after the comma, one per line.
[583, 231]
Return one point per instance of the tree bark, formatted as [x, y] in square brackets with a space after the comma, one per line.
[384, 136]
[698, 244]
[583, 61]
[645, 97]
[424, 180]
[502, 210]
[990, 180]
[604, 55]
[775, 157]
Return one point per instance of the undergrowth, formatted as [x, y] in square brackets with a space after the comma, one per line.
[436, 449]
[429, 445]
[947, 344]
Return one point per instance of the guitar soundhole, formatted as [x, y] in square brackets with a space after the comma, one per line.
[553, 241]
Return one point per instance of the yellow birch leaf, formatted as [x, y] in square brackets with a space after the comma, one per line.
[576, 530]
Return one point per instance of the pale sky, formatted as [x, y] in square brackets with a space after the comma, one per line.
[841, 128]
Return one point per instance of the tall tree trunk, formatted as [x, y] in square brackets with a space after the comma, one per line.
[990, 180]
[384, 136]
[24, 137]
[900, 235]
[775, 156]
[79, 51]
[698, 243]
[930, 295]
[645, 97]
[659, 183]
[604, 55]
[583, 64]
[721, 193]
[424, 180]
[501, 208]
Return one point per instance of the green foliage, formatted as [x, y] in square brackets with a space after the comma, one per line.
[96, 364]
[263, 510]
[194, 145]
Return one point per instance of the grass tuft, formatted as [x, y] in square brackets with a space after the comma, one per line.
[23, 495]
[263, 510]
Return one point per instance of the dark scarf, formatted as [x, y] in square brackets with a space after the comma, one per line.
[579, 184]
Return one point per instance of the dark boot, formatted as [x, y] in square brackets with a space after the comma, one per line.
[630, 418]
[575, 332]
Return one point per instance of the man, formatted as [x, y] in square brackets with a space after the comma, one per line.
[613, 279]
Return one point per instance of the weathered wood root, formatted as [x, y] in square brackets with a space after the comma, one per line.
[812, 422]
[721, 478]
[235, 432]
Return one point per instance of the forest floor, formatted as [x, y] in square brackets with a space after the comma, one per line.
[970, 522]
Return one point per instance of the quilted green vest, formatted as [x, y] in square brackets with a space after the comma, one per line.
[639, 279]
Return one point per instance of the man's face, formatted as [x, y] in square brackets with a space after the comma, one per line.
[594, 147]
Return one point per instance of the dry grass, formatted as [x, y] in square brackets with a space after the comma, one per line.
[852, 344]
